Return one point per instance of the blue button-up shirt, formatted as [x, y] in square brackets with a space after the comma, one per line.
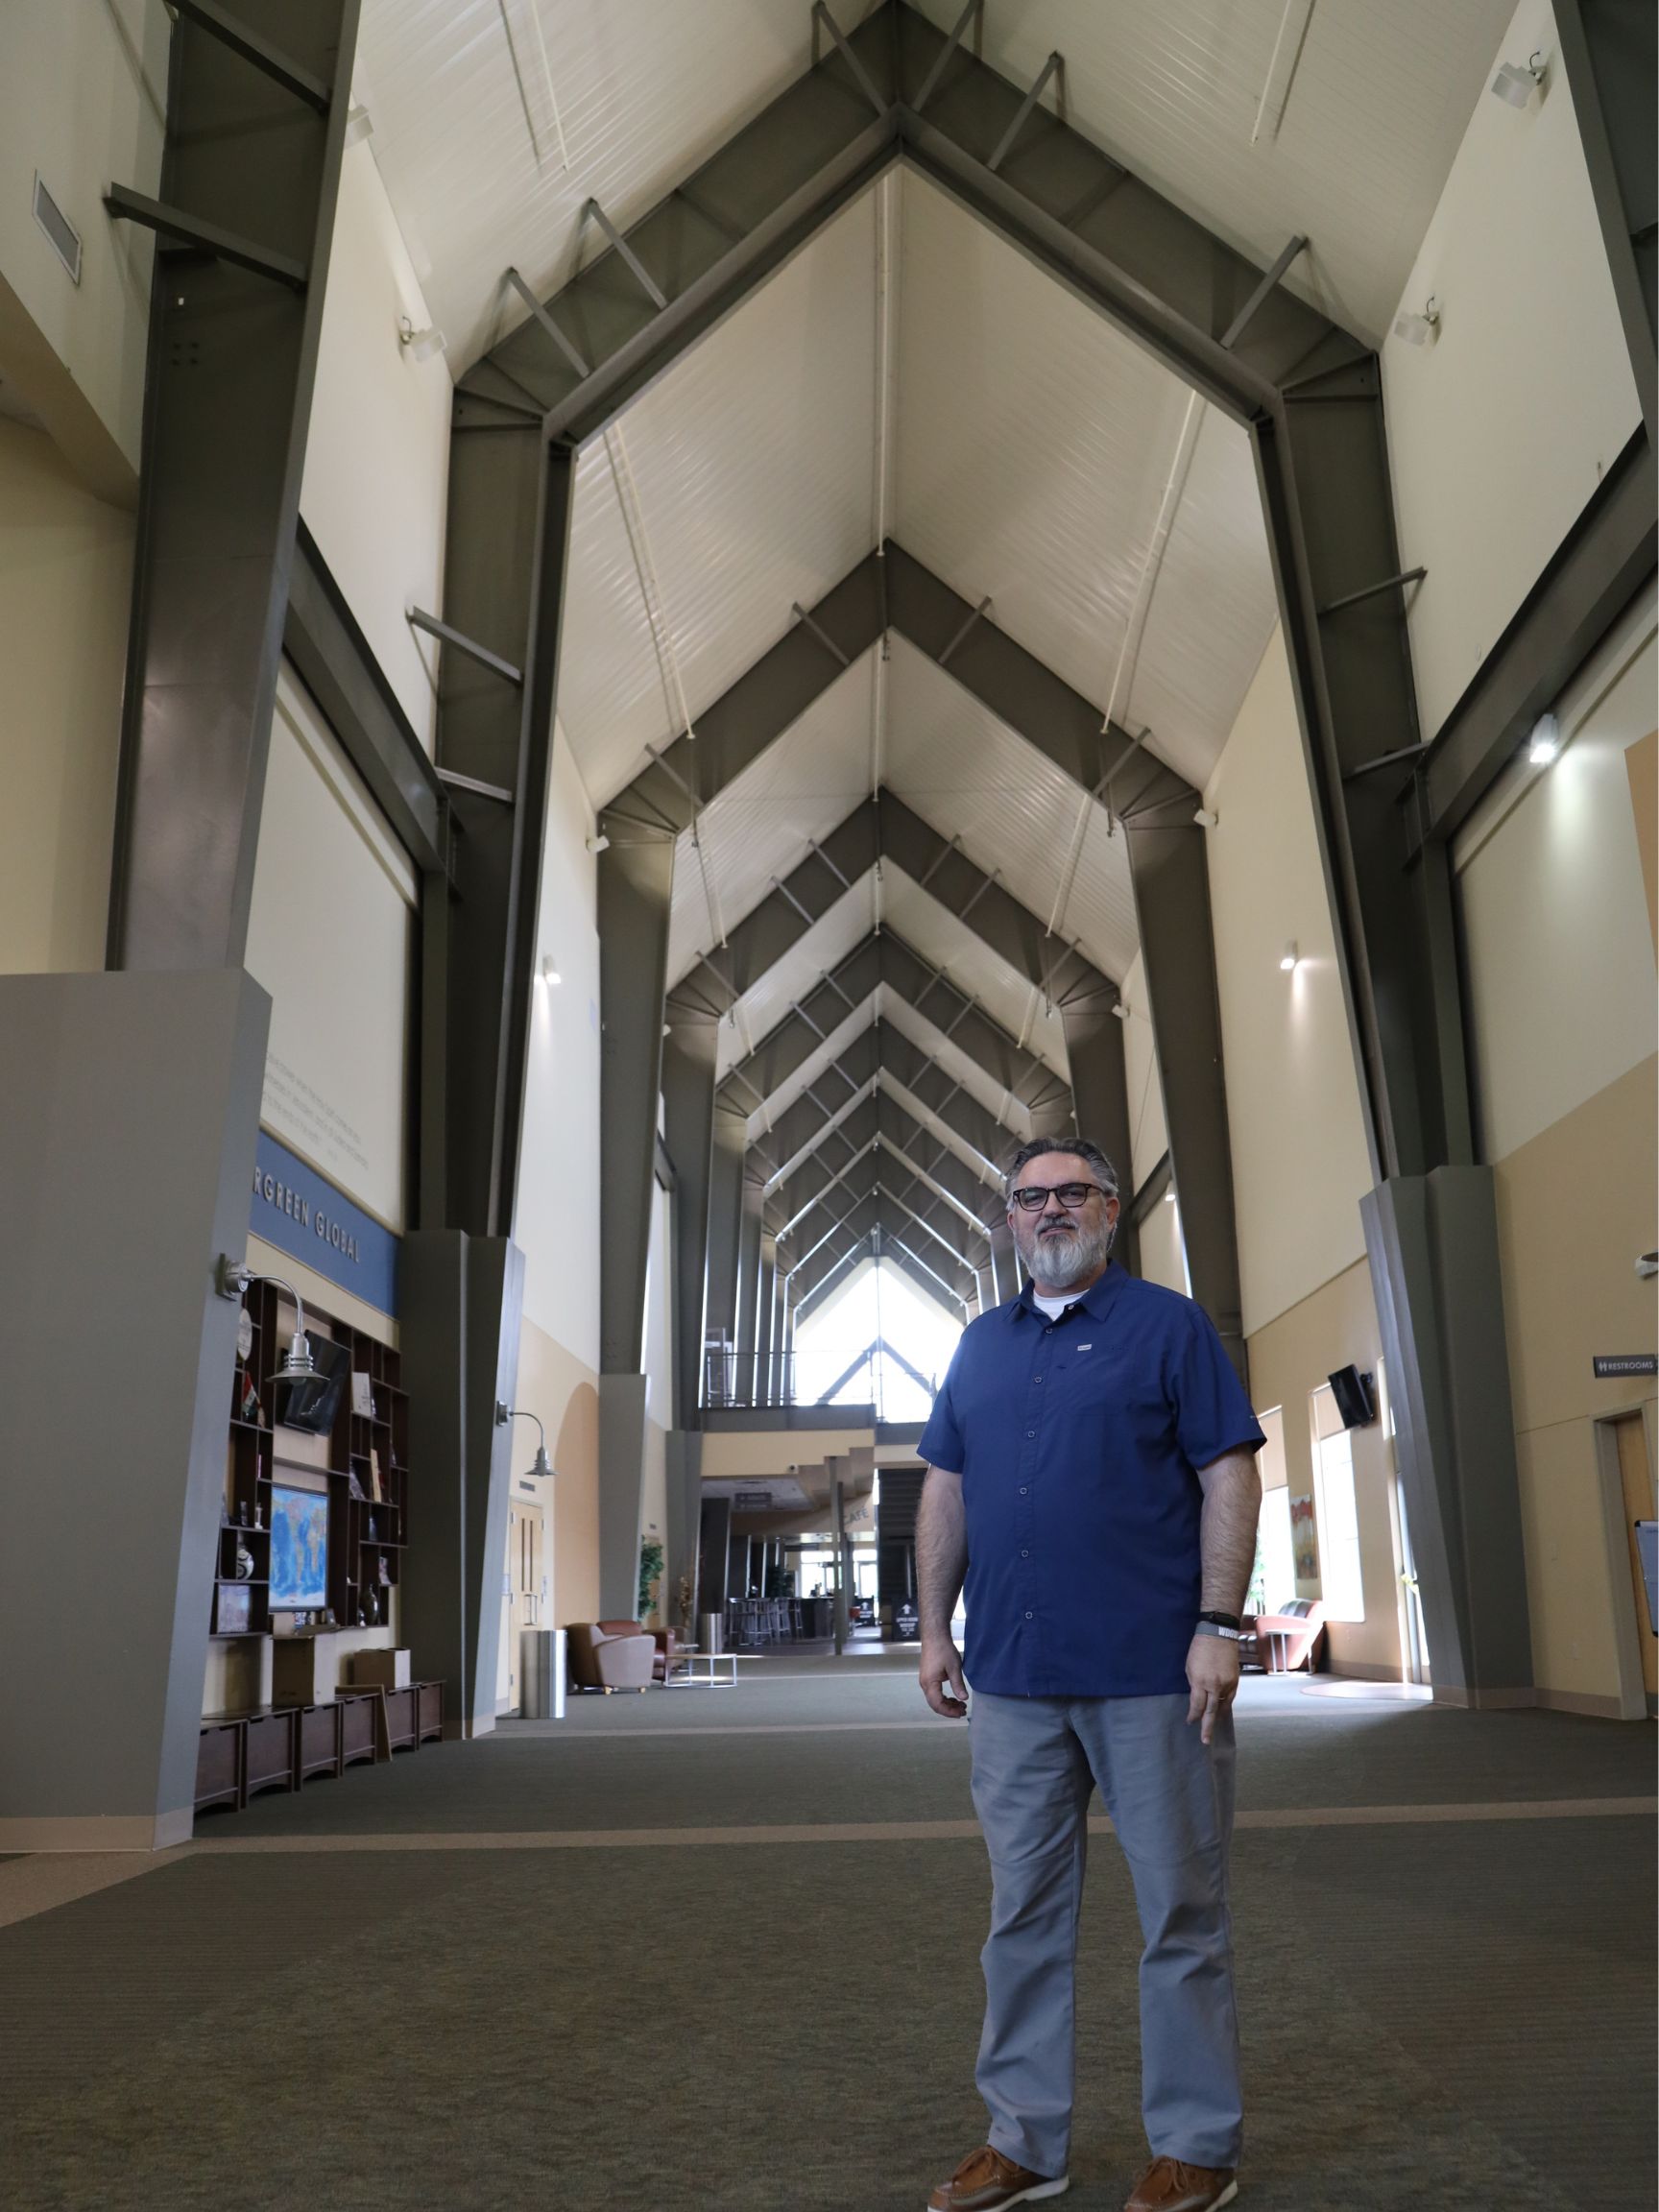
[1078, 1442]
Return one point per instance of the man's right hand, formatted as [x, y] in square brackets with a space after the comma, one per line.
[941, 1683]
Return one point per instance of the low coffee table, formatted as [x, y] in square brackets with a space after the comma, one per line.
[710, 1680]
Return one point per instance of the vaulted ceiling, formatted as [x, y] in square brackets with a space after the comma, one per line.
[910, 377]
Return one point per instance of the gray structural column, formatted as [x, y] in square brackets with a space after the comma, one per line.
[688, 1066]
[1169, 870]
[129, 1106]
[763, 1317]
[724, 1224]
[636, 885]
[462, 1305]
[684, 1497]
[250, 178]
[749, 1294]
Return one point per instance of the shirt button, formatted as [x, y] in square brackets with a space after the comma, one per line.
[1028, 1616]
[1030, 1431]
[1024, 1551]
[1023, 1489]
[1036, 1378]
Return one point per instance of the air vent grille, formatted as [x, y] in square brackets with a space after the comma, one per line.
[66, 239]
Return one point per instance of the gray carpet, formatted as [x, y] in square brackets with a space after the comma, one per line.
[1453, 2016]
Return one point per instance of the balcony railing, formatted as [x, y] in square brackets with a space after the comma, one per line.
[820, 1376]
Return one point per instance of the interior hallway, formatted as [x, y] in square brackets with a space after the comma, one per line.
[754, 1917]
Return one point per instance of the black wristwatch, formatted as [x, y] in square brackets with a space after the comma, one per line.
[1222, 1624]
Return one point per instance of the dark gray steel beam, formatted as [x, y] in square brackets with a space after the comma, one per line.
[875, 1207]
[886, 958]
[879, 1115]
[327, 650]
[1610, 51]
[1605, 559]
[636, 885]
[688, 1076]
[878, 1169]
[510, 504]
[231, 363]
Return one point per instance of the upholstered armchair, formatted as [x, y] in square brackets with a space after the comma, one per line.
[611, 1655]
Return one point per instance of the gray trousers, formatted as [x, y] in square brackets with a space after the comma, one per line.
[1035, 1763]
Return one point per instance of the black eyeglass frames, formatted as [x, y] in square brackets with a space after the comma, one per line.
[1074, 1196]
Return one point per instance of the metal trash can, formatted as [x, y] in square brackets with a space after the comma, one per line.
[710, 1632]
[541, 1673]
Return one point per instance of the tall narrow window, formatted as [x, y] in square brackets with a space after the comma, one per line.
[1336, 1510]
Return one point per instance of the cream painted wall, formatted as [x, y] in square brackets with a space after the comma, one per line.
[659, 1315]
[1300, 1162]
[1163, 1255]
[65, 580]
[330, 936]
[1290, 1356]
[559, 1211]
[1500, 431]
[377, 455]
[1148, 1136]
[1558, 948]
[566, 1394]
[83, 90]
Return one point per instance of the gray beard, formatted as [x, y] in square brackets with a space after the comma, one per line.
[1058, 1261]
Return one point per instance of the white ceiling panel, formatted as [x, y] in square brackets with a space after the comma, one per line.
[740, 482]
[970, 776]
[1209, 608]
[818, 951]
[1362, 117]
[957, 1064]
[811, 1070]
[934, 932]
[736, 487]
[469, 146]
[759, 826]
[1034, 441]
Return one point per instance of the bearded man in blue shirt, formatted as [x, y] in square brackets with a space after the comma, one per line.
[1091, 1476]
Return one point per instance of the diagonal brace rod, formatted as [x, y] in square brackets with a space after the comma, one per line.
[207, 237]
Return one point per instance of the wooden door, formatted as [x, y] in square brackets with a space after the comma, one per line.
[1636, 1479]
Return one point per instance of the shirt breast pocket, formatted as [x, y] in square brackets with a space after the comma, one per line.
[1111, 1401]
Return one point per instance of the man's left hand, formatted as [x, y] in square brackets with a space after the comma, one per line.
[1212, 1670]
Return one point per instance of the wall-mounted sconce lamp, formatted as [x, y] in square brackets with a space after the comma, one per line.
[550, 970]
[233, 1279]
[1121, 1010]
[1205, 818]
[1420, 329]
[1515, 85]
[359, 125]
[1289, 958]
[421, 344]
[599, 844]
[1545, 743]
[540, 1464]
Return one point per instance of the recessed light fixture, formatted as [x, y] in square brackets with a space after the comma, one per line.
[1289, 958]
[1420, 329]
[1545, 742]
[550, 970]
[421, 344]
[1515, 85]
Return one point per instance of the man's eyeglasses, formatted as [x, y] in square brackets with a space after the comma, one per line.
[1074, 1196]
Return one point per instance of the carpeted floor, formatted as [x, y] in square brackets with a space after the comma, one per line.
[1436, 2014]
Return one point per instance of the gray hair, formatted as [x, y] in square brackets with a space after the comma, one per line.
[1079, 1148]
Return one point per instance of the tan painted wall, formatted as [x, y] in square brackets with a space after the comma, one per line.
[565, 1393]
[728, 1454]
[1575, 1207]
[1300, 1163]
[1289, 1358]
[65, 578]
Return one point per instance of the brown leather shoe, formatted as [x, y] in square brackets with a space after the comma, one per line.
[1171, 2185]
[986, 2182]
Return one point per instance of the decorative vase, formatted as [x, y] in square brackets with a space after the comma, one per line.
[243, 1562]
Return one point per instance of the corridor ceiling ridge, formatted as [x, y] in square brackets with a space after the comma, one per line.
[899, 437]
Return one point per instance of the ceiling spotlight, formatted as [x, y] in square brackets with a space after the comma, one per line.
[550, 970]
[1121, 1011]
[1168, 1198]
[1515, 86]
[421, 344]
[359, 125]
[599, 844]
[1420, 329]
[1289, 958]
[1545, 742]
[1205, 818]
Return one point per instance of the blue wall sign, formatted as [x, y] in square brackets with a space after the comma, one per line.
[303, 1214]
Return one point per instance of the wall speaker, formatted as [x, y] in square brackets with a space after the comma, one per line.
[1356, 1394]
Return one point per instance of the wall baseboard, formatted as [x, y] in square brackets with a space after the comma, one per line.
[97, 1831]
[1587, 1706]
